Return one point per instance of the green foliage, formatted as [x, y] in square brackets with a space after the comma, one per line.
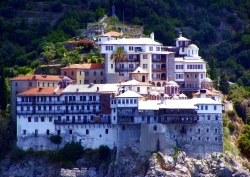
[244, 141]
[231, 114]
[231, 127]
[104, 152]
[3, 89]
[71, 152]
[71, 58]
[86, 43]
[24, 70]
[56, 139]
[100, 12]
[56, 6]
[8, 12]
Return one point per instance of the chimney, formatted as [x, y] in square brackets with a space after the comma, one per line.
[152, 36]
[162, 98]
[202, 93]
[180, 34]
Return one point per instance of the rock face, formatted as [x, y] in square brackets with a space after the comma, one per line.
[29, 167]
[217, 164]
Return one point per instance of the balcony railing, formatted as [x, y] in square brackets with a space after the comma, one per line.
[130, 60]
[82, 122]
[179, 121]
[124, 69]
[159, 60]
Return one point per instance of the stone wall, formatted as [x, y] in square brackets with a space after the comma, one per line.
[115, 78]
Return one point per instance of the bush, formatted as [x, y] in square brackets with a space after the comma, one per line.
[104, 152]
[71, 152]
[231, 127]
[56, 6]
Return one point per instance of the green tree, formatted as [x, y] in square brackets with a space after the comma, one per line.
[56, 6]
[100, 12]
[244, 141]
[3, 89]
[71, 151]
[118, 55]
[224, 87]
[56, 139]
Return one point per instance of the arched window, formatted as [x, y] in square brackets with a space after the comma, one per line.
[158, 84]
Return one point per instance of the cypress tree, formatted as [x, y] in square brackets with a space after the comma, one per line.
[3, 89]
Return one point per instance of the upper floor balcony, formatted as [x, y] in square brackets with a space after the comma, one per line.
[126, 69]
[96, 120]
[158, 59]
[130, 60]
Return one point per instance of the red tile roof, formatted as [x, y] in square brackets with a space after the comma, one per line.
[41, 91]
[85, 66]
[112, 34]
[38, 78]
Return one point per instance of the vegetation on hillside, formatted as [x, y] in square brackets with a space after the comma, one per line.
[220, 28]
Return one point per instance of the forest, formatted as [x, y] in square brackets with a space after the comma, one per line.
[220, 28]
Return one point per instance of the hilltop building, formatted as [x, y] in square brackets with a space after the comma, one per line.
[187, 68]
[142, 100]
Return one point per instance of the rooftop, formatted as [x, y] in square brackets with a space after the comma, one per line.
[85, 66]
[42, 91]
[91, 88]
[131, 41]
[37, 78]
[135, 82]
[129, 94]
[112, 33]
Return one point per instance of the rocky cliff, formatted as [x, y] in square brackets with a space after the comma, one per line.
[130, 163]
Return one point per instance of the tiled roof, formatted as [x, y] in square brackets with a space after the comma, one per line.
[38, 78]
[85, 66]
[41, 91]
[112, 34]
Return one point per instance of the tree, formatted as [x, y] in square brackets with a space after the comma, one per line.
[118, 55]
[56, 6]
[71, 151]
[56, 139]
[3, 89]
[223, 83]
[244, 141]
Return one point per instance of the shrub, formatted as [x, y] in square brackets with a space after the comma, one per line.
[231, 127]
[56, 6]
[104, 152]
[71, 152]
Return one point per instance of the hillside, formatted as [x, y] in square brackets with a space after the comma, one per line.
[38, 33]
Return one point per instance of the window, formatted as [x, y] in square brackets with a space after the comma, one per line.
[190, 138]
[94, 73]
[130, 48]
[101, 73]
[58, 108]
[24, 132]
[30, 84]
[36, 119]
[216, 117]
[207, 138]
[70, 131]
[215, 130]
[86, 73]
[187, 66]
[199, 130]
[67, 118]
[138, 89]
[80, 73]
[215, 138]
[145, 65]
[107, 131]
[123, 127]
[17, 84]
[58, 132]
[111, 65]
[36, 132]
[215, 108]
[29, 119]
[202, 107]
[50, 119]
[42, 119]
[109, 47]
[157, 48]
[145, 56]
[39, 108]
[199, 138]
[47, 132]
[135, 101]
[59, 118]
[50, 108]
[201, 76]
[87, 132]
[114, 118]
[130, 65]
[206, 107]
[207, 130]
[208, 117]
[150, 48]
